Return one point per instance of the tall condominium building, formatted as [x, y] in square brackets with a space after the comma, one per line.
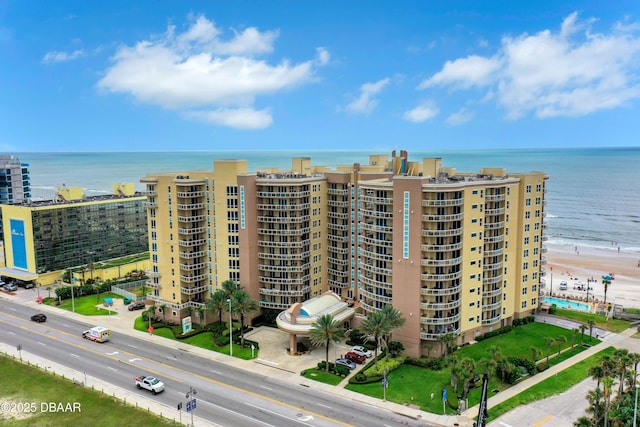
[14, 180]
[455, 253]
[45, 237]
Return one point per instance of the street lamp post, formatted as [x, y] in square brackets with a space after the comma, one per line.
[635, 407]
[73, 302]
[551, 291]
[230, 330]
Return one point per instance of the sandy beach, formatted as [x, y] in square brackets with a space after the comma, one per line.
[576, 264]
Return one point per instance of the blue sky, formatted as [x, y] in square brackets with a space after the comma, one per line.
[220, 75]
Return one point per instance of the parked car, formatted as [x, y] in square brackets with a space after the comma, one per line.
[23, 284]
[346, 363]
[136, 306]
[563, 285]
[39, 318]
[355, 358]
[10, 287]
[358, 349]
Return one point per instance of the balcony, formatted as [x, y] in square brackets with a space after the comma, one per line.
[298, 281]
[441, 291]
[335, 284]
[191, 231]
[285, 293]
[492, 306]
[491, 321]
[441, 277]
[440, 320]
[283, 219]
[193, 291]
[289, 232]
[442, 233]
[440, 262]
[152, 274]
[447, 202]
[493, 252]
[194, 218]
[283, 268]
[375, 297]
[193, 279]
[192, 255]
[275, 305]
[289, 207]
[190, 206]
[192, 267]
[494, 197]
[338, 191]
[190, 193]
[377, 200]
[337, 215]
[191, 243]
[494, 225]
[496, 211]
[338, 203]
[493, 239]
[428, 336]
[440, 305]
[442, 218]
[441, 248]
[491, 280]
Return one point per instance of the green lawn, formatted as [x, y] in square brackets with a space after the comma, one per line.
[557, 384]
[86, 305]
[322, 376]
[414, 385]
[202, 340]
[26, 384]
[599, 321]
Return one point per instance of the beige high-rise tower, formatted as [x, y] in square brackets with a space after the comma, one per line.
[455, 253]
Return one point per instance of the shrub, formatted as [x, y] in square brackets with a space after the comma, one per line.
[517, 322]
[452, 398]
[433, 363]
[341, 370]
[553, 309]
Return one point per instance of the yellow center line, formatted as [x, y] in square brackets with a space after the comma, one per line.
[544, 420]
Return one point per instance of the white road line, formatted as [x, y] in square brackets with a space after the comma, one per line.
[74, 355]
[259, 408]
[66, 326]
[132, 346]
[41, 343]
[12, 333]
[324, 406]
[112, 368]
[504, 424]
[215, 372]
[266, 388]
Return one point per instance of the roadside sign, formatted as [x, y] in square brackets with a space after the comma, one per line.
[444, 394]
[191, 405]
[385, 382]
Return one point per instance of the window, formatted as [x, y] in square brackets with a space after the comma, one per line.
[528, 189]
[527, 215]
[474, 220]
[232, 190]
[533, 301]
[524, 304]
[526, 253]
[524, 291]
[526, 240]
[527, 202]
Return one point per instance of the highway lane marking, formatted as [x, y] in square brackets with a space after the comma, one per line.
[41, 343]
[259, 408]
[324, 406]
[544, 420]
[266, 388]
[12, 309]
[65, 325]
[202, 377]
[222, 408]
[215, 372]
[112, 368]
[74, 355]
[12, 333]
[132, 346]
[135, 359]
[505, 424]
[113, 353]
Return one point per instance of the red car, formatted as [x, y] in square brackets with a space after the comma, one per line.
[356, 358]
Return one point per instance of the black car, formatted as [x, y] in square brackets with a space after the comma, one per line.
[39, 318]
[136, 306]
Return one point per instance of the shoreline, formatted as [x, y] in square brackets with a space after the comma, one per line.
[577, 264]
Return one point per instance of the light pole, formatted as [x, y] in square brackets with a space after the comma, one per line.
[635, 407]
[230, 330]
[73, 302]
[551, 291]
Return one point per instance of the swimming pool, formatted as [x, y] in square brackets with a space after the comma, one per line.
[563, 303]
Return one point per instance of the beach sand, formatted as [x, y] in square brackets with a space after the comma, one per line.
[577, 264]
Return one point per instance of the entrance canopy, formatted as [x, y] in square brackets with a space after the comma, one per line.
[299, 318]
[18, 274]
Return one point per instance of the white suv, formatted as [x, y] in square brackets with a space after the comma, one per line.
[360, 350]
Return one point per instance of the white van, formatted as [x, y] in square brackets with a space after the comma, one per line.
[563, 285]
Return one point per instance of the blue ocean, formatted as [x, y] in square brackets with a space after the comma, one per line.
[593, 195]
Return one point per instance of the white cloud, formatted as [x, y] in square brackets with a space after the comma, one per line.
[460, 117]
[322, 55]
[239, 118]
[464, 72]
[425, 111]
[55, 56]
[365, 103]
[569, 72]
[197, 69]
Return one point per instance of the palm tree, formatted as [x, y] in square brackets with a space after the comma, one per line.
[376, 326]
[583, 328]
[467, 366]
[535, 353]
[495, 352]
[325, 330]
[446, 341]
[162, 309]
[573, 338]
[622, 361]
[242, 304]
[607, 385]
[560, 340]
[606, 281]
[591, 323]
[217, 303]
[394, 319]
[201, 314]
[549, 341]
[597, 373]
[229, 287]
[596, 407]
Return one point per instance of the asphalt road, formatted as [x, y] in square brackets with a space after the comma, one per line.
[226, 396]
